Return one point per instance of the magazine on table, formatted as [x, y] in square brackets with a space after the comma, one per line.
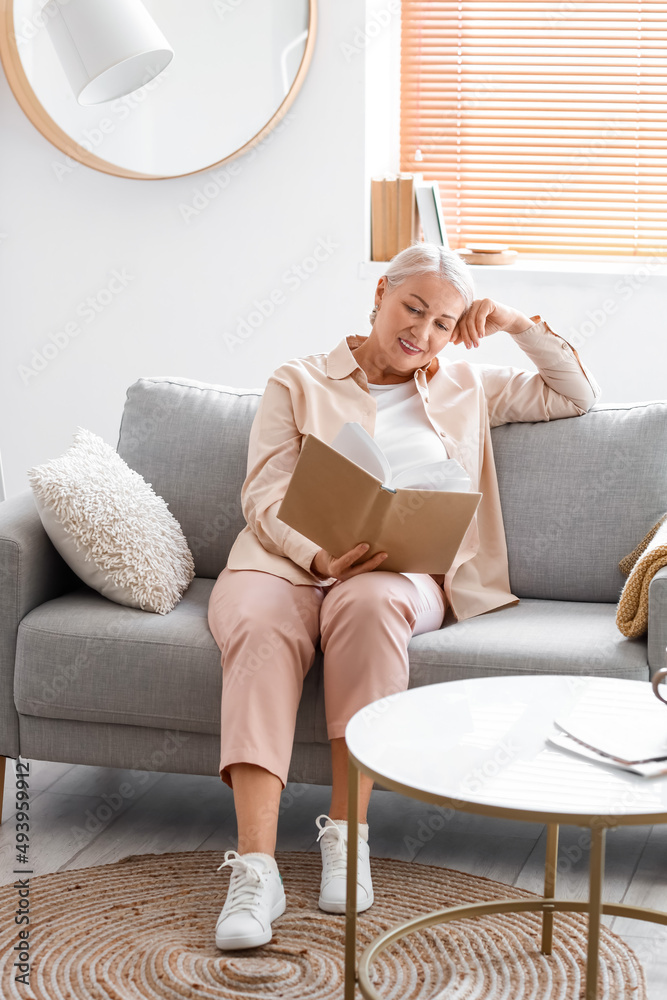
[617, 726]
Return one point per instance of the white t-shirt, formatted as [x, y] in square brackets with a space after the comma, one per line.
[402, 429]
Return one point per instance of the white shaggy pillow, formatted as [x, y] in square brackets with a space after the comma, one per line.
[111, 527]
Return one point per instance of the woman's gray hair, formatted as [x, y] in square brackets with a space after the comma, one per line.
[430, 258]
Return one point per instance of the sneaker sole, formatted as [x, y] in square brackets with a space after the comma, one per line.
[331, 907]
[236, 944]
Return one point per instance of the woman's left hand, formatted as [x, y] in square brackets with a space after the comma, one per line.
[486, 316]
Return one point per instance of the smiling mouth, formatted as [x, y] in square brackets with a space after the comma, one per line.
[408, 347]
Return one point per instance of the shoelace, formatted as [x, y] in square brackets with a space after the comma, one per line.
[245, 882]
[335, 846]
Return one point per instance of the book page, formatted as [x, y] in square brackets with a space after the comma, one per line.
[355, 443]
[359, 447]
[446, 474]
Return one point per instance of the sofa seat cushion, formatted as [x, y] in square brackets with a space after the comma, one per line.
[83, 657]
[531, 637]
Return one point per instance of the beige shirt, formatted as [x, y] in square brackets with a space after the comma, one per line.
[463, 401]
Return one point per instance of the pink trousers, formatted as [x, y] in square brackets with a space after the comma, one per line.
[267, 629]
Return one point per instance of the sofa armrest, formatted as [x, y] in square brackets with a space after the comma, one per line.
[657, 621]
[31, 572]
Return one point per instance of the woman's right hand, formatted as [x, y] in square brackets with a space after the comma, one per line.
[325, 565]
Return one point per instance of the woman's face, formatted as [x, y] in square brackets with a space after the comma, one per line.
[414, 322]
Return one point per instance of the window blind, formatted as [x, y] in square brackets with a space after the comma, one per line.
[545, 124]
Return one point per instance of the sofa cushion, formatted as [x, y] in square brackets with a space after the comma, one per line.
[82, 657]
[531, 637]
[577, 495]
[189, 440]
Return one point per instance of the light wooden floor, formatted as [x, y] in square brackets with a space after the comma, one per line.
[173, 812]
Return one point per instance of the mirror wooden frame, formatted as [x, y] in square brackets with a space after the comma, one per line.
[29, 103]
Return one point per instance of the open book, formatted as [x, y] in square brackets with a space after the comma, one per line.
[340, 498]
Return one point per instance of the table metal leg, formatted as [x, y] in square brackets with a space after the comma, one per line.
[596, 875]
[550, 871]
[351, 899]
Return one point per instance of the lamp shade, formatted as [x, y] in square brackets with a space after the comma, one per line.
[108, 48]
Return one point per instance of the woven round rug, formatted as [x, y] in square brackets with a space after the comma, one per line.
[144, 928]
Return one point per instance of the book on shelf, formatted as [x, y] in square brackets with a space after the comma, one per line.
[407, 215]
[618, 726]
[393, 214]
[427, 195]
[342, 494]
[435, 187]
[378, 219]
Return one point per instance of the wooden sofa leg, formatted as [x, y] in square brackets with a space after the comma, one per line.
[2, 783]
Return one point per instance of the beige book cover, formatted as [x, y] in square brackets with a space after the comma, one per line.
[378, 219]
[391, 215]
[406, 211]
[337, 504]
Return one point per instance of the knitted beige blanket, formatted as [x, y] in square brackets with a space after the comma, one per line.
[642, 564]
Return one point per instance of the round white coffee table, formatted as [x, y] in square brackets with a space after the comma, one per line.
[480, 746]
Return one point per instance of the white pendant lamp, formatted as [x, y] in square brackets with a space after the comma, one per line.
[108, 48]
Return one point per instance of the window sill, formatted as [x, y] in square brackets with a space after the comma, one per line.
[554, 265]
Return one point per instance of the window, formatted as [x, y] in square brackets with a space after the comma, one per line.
[544, 123]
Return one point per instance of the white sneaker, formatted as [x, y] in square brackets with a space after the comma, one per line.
[333, 887]
[255, 898]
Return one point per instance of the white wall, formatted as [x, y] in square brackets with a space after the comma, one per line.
[615, 321]
[187, 283]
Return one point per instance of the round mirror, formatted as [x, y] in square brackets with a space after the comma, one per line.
[237, 67]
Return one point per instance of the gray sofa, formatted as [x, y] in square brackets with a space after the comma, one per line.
[84, 680]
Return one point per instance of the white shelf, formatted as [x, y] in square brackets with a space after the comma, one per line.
[653, 266]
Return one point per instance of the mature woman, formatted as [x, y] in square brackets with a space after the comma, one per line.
[281, 593]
